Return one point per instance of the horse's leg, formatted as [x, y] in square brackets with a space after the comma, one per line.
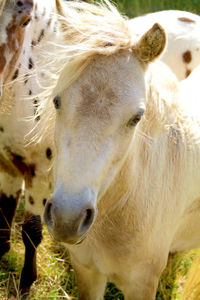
[143, 282]
[10, 190]
[35, 199]
[32, 236]
[91, 283]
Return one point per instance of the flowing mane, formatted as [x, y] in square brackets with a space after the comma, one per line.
[86, 31]
[89, 30]
[2, 4]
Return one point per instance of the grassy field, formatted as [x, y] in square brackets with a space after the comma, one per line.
[55, 274]
[56, 277]
[133, 8]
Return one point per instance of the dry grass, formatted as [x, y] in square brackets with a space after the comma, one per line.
[55, 275]
[56, 278]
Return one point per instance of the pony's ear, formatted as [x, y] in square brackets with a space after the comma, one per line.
[61, 11]
[59, 7]
[151, 44]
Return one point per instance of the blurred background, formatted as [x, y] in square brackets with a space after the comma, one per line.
[134, 8]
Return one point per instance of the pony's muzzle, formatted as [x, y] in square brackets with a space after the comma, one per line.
[69, 220]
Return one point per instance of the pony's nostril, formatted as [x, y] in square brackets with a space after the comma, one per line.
[88, 217]
[86, 221]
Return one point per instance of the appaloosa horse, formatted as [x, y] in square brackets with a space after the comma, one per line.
[127, 162]
[30, 33]
[26, 27]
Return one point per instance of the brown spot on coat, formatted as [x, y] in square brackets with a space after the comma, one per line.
[49, 22]
[26, 78]
[187, 57]
[25, 169]
[31, 200]
[2, 57]
[7, 166]
[41, 36]
[187, 20]
[33, 43]
[26, 22]
[49, 153]
[187, 73]
[30, 63]
[44, 201]
[15, 75]
[37, 118]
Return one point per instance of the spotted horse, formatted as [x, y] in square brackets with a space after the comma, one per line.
[25, 28]
[24, 154]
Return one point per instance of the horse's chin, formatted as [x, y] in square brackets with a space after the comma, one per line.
[83, 237]
[71, 242]
[80, 242]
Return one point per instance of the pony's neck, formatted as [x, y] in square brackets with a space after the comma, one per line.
[119, 192]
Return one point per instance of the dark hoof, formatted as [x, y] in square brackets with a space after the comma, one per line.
[24, 293]
[26, 281]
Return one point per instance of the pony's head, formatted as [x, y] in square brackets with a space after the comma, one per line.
[99, 100]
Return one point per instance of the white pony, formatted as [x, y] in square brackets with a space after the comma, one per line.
[127, 163]
[34, 30]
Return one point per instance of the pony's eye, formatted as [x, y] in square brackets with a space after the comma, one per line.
[57, 102]
[133, 121]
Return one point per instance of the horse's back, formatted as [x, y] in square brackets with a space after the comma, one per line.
[182, 54]
[189, 90]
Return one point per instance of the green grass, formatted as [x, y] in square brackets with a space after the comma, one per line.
[137, 7]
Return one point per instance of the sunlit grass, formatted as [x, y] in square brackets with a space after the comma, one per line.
[56, 278]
